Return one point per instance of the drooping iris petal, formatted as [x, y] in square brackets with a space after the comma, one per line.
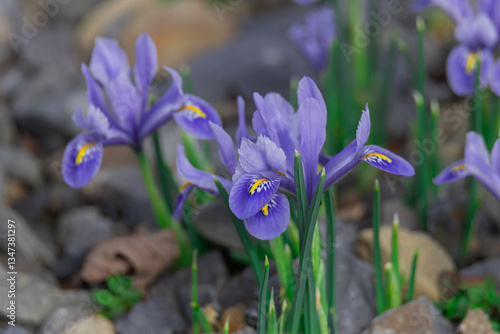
[250, 194]
[341, 164]
[264, 156]
[456, 9]
[95, 94]
[272, 220]
[478, 163]
[194, 117]
[387, 161]
[452, 173]
[242, 124]
[226, 147]
[363, 131]
[312, 122]
[82, 159]
[125, 102]
[314, 36]
[461, 69]
[108, 61]
[495, 156]
[308, 89]
[304, 2]
[182, 198]
[164, 108]
[477, 32]
[146, 65]
[201, 179]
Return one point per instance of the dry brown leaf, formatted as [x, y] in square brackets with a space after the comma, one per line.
[145, 256]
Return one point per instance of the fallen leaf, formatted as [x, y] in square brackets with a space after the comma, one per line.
[143, 256]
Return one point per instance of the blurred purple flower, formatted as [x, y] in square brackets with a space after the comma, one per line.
[478, 163]
[315, 36]
[118, 110]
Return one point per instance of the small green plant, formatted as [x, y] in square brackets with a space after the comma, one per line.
[118, 297]
[460, 297]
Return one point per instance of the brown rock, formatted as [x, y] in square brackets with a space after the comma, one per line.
[181, 29]
[236, 316]
[432, 260]
[418, 316]
[91, 325]
[476, 322]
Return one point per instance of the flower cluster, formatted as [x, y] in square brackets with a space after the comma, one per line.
[119, 112]
[263, 173]
[478, 32]
[477, 163]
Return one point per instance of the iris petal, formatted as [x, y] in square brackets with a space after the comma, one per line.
[242, 131]
[250, 194]
[146, 65]
[184, 193]
[272, 220]
[108, 61]
[452, 173]
[363, 131]
[495, 156]
[264, 156]
[195, 115]
[226, 147]
[82, 159]
[387, 161]
[162, 111]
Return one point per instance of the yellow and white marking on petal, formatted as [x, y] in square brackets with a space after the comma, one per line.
[458, 168]
[184, 186]
[193, 112]
[265, 210]
[83, 151]
[380, 158]
[258, 185]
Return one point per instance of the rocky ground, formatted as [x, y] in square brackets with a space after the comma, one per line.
[40, 85]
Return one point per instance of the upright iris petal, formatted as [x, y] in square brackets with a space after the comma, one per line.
[226, 147]
[477, 32]
[272, 220]
[146, 66]
[82, 159]
[242, 131]
[108, 61]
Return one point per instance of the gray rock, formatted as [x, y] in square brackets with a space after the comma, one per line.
[36, 299]
[346, 234]
[274, 60]
[488, 267]
[407, 217]
[214, 223]
[80, 229]
[29, 243]
[15, 330]
[243, 288]
[151, 317]
[418, 316]
[173, 288]
[22, 165]
[44, 104]
[63, 318]
[7, 126]
[207, 294]
[246, 330]
[12, 79]
[122, 188]
[355, 292]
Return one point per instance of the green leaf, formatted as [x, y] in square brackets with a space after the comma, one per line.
[283, 316]
[377, 258]
[413, 275]
[261, 325]
[272, 323]
[393, 291]
[331, 278]
[395, 255]
[282, 257]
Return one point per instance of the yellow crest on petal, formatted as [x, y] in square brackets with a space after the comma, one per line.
[82, 151]
[470, 65]
[458, 168]
[195, 110]
[256, 185]
[377, 156]
[265, 210]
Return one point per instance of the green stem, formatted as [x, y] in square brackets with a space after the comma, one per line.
[331, 276]
[413, 275]
[261, 325]
[377, 259]
[395, 257]
[162, 215]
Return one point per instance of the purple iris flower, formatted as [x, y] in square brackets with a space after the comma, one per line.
[118, 110]
[315, 36]
[264, 170]
[304, 2]
[478, 36]
[477, 163]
